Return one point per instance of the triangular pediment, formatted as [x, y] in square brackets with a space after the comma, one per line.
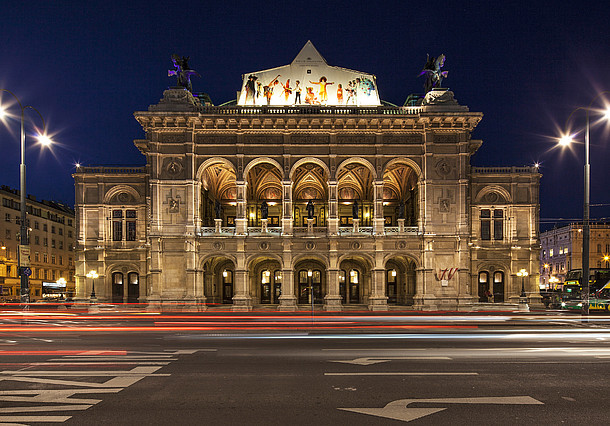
[308, 55]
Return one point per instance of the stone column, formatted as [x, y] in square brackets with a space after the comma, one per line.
[378, 301]
[288, 300]
[241, 221]
[332, 300]
[242, 301]
[333, 209]
[287, 220]
[378, 219]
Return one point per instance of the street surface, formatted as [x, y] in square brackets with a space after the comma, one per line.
[267, 368]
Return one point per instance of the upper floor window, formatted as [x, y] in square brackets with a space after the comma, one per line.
[486, 224]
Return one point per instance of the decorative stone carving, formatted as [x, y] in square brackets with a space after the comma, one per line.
[401, 245]
[443, 205]
[443, 168]
[217, 245]
[356, 245]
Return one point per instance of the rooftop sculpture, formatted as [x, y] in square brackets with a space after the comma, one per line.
[433, 73]
[182, 71]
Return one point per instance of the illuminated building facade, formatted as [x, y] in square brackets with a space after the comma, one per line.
[332, 197]
[561, 250]
[52, 236]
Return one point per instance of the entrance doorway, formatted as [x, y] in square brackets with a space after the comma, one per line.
[498, 287]
[391, 285]
[117, 287]
[227, 286]
[133, 287]
[310, 281]
[271, 286]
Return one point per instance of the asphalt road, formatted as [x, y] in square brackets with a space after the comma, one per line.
[535, 373]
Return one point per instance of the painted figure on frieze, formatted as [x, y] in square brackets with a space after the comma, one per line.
[182, 71]
[251, 92]
[322, 88]
[268, 89]
[432, 72]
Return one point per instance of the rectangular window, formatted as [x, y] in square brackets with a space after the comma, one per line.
[53, 259]
[45, 257]
[45, 242]
[69, 222]
[36, 225]
[486, 224]
[130, 214]
[498, 224]
[69, 234]
[61, 231]
[44, 227]
[37, 240]
[117, 214]
[37, 256]
[550, 252]
[131, 230]
[7, 217]
[61, 260]
[52, 229]
[7, 234]
[61, 245]
[117, 230]
[52, 243]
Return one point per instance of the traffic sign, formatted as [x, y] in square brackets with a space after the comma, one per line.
[26, 271]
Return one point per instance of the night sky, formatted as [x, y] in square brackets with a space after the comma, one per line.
[87, 66]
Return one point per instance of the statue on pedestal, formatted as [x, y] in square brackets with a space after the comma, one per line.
[182, 71]
[309, 209]
[433, 73]
[355, 210]
[264, 210]
[218, 209]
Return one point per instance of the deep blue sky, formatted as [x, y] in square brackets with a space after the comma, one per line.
[87, 66]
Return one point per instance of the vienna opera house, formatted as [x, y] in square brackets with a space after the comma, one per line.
[307, 189]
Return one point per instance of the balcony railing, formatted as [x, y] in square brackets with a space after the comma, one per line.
[318, 231]
[323, 110]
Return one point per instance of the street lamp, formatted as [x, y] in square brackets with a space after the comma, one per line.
[24, 245]
[522, 273]
[586, 231]
[93, 275]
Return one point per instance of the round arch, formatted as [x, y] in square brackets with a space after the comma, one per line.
[358, 160]
[211, 161]
[407, 161]
[494, 189]
[261, 160]
[115, 190]
[306, 160]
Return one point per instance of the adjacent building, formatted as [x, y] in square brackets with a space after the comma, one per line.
[52, 235]
[308, 189]
[561, 250]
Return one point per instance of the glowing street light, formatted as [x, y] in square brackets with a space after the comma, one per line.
[523, 273]
[93, 275]
[24, 245]
[565, 140]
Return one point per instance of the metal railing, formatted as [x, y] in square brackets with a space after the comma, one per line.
[309, 109]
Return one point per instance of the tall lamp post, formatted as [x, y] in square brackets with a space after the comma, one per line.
[24, 245]
[586, 229]
[93, 275]
[522, 273]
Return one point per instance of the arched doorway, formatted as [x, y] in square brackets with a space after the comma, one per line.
[353, 275]
[117, 287]
[400, 280]
[310, 277]
[267, 280]
[218, 280]
[133, 287]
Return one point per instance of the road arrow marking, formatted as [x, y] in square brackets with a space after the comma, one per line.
[376, 360]
[398, 410]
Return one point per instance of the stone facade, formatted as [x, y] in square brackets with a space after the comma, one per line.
[288, 205]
